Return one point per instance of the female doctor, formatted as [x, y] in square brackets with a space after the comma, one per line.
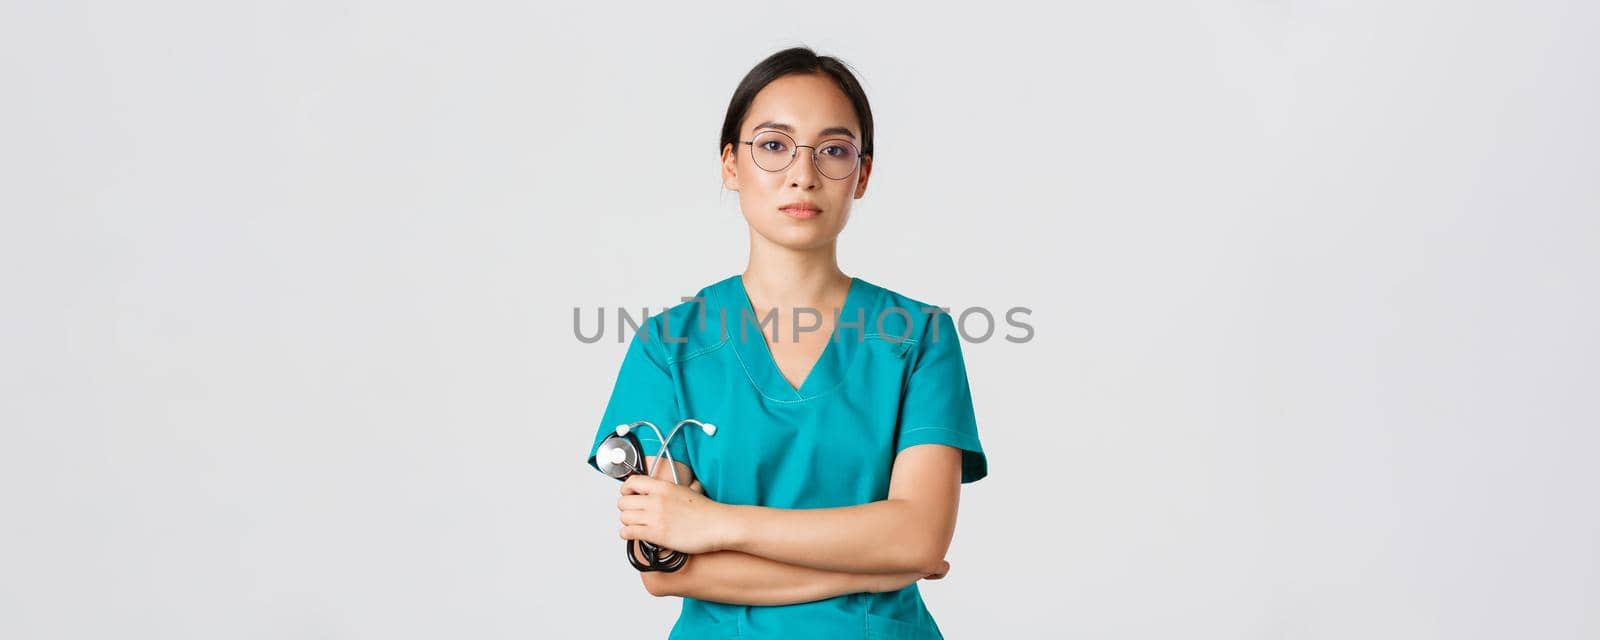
[844, 426]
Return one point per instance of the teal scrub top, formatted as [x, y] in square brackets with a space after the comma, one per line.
[892, 376]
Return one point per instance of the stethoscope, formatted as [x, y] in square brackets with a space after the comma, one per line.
[621, 456]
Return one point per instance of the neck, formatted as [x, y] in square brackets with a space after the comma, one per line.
[781, 277]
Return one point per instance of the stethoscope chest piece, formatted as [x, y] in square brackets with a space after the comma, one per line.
[620, 456]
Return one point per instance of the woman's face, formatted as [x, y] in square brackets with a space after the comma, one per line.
[805, 107]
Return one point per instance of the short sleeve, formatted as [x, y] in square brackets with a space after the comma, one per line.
[644, 390]
[936, 407]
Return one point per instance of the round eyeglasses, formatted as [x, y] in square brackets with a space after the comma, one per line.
[775, 151]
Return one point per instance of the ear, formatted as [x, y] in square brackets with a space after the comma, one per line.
[730, 168]
[866, 174]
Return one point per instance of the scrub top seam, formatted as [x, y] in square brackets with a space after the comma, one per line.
[944, 429]
[929, 429]
[671, 360]
[912, 341]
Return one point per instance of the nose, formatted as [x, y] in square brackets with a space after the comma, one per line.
[803, 171]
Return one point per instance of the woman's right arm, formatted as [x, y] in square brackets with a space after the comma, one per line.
[733, 577]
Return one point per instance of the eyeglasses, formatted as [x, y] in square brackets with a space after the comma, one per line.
[775, 151]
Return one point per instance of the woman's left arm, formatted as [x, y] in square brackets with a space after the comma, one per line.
[907, 532]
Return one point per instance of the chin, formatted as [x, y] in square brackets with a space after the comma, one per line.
[798, 238]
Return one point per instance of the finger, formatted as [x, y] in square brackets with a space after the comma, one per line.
[697, 487]
[632, 532]
[633, 503]
[632, 517]
[640, 485]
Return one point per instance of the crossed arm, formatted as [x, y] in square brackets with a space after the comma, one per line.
[767, 556]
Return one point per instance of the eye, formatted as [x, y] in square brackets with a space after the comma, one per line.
[774, 145]
[837, 151]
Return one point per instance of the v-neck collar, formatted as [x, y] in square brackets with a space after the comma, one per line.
[756, 356]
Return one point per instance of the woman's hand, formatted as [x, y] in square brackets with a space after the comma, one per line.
[671, 516]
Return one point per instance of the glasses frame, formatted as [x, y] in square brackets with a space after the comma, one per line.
[795, 153]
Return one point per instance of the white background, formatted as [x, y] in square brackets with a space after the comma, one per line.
[288, 294]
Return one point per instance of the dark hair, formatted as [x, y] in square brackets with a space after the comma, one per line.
[786, 62]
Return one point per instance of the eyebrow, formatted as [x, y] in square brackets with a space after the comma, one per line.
[790, 130]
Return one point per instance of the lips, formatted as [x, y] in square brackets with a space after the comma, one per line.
[800, 210]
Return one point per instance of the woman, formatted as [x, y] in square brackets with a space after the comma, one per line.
[844, 424]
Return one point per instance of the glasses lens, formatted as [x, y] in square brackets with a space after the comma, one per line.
[836, 158]
[772, 150]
